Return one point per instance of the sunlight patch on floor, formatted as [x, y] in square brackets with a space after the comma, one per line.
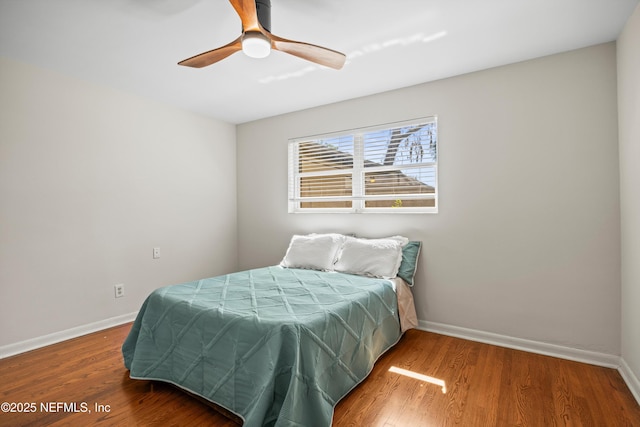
[420, 377]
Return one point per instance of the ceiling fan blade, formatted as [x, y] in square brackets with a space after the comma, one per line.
[248, 13]
[213, 56]
[318, 54]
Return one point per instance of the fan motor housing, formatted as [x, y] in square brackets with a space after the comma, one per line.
[263, 7]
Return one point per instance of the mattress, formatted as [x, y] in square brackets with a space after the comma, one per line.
[275, 346]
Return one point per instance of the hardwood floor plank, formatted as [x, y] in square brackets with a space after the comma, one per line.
[485, 385]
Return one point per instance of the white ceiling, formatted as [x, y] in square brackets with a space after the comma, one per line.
[134, 45]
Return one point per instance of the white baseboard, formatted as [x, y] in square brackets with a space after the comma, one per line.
[630, 378]
[56, 337]
[585, 356]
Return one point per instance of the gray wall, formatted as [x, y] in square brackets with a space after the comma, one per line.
[527, 240]
[629, 118]
[91, 180]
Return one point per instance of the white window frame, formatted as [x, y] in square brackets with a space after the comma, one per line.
[358, 197]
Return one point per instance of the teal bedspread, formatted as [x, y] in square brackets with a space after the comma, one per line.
[276, 346]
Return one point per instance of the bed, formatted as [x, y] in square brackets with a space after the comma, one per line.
[279, 345]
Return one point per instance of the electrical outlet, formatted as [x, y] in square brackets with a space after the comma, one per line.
[119, 290]
[156, 253]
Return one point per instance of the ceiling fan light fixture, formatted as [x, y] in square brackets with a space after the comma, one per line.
[256, 45]
[257, 40]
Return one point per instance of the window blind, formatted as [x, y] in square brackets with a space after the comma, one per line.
[385, 168]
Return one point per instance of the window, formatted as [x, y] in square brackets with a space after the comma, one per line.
[388, 168]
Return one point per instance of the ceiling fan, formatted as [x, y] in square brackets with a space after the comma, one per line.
[257, 41]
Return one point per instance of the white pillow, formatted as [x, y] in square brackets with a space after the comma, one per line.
[313, 251]
[370, 257]
[400, 239]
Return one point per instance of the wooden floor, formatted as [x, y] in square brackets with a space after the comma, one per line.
[463, 383]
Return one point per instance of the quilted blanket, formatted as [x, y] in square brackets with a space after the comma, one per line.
[276, 346]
